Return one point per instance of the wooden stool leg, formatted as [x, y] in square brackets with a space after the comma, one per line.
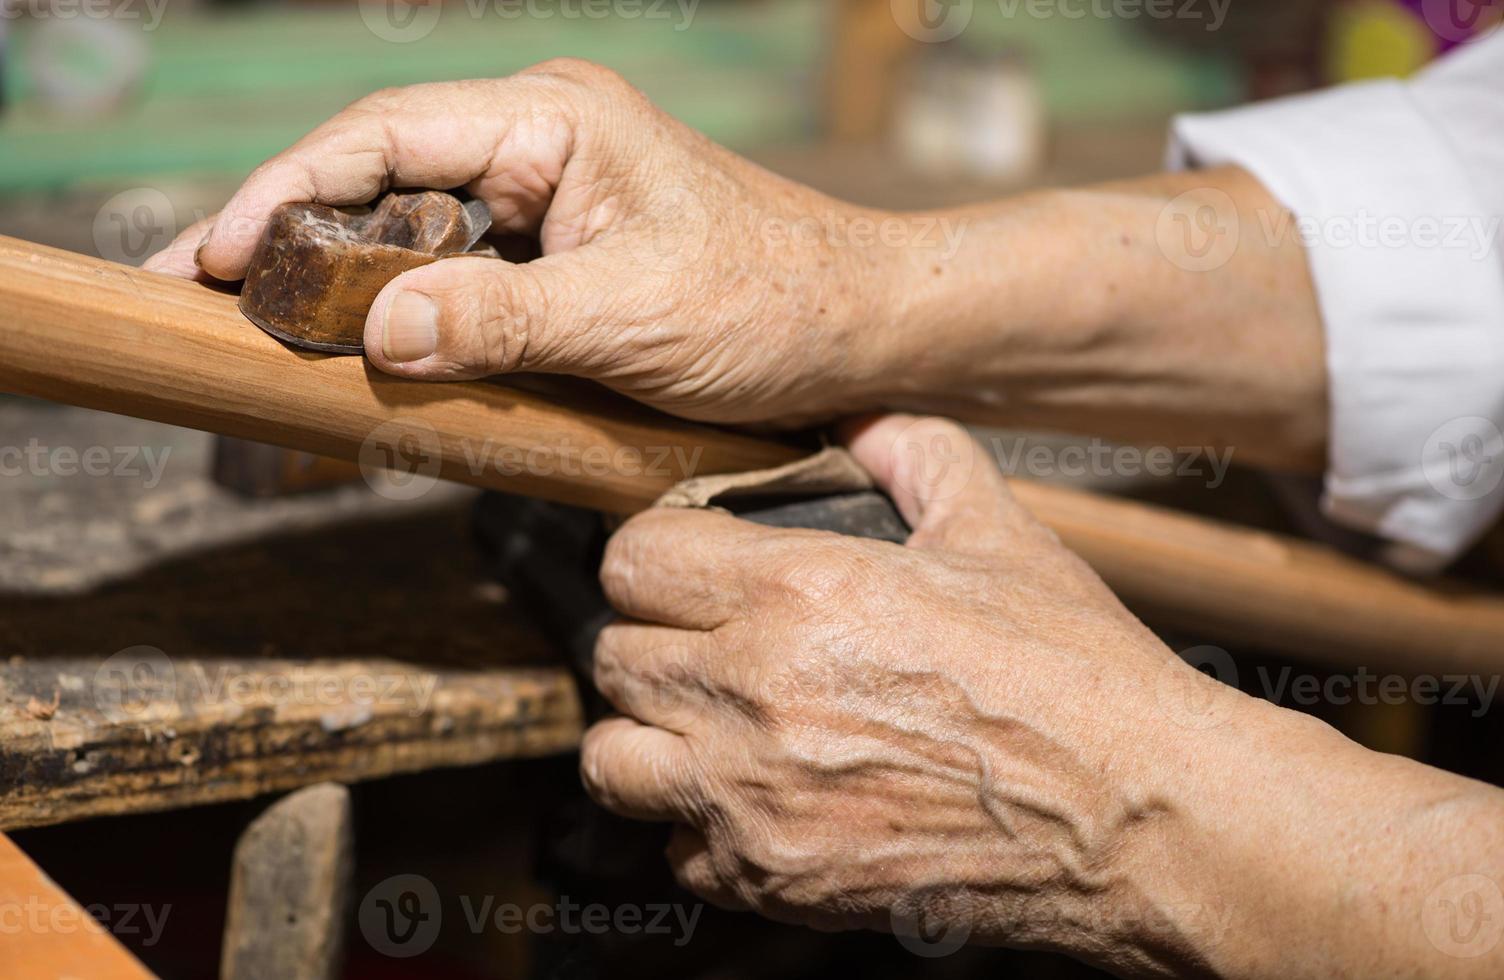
[290, 889]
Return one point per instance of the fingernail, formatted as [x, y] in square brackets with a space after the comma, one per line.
[200, 249]
[411, 330]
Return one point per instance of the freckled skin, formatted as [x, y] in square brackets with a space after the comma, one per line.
[968, 733]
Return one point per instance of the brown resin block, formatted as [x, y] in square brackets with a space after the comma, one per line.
[318, 269]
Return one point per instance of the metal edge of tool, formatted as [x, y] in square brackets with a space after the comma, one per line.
[298, 343]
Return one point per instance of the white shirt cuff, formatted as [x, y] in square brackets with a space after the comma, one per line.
[1409, 277]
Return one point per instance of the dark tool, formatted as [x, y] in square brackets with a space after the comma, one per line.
[317, 269]
[549, 555]
[256, 469]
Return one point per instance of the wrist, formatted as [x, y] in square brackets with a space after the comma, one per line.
[1171, 744]
[1072, 311]
[1272, 817]
[1195, 764]
[895, 280]
[999, 302]
[1187, 767]
[834, 313]
[1124, 889]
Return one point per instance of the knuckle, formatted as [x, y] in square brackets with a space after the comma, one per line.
[379, 100]
[594, 749]
[619, 565]
[644, 532]
[619, 582]
[589, 84]
[491, 316]
[764, 857]
[696, 876]
[942, 429]
[580, 69]
[822, 573]
[607, 663]
[504, 323]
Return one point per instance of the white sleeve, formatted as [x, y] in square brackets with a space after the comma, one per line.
[1397, 189]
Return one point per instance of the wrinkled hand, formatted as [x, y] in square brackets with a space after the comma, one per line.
[672, 270]
[847, 731]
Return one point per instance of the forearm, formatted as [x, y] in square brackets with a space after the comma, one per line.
[1294, 852]
[1089, 311]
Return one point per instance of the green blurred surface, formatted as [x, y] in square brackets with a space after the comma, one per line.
[1101, 68]
[224, 91]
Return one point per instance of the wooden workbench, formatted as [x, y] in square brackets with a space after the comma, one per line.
[178, 645]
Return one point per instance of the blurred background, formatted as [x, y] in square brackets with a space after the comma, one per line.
[123, 121]
[901, 103]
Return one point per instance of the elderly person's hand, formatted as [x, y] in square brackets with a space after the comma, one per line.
[965, 729]
[689, 278]
[672, 270]
[970, 736]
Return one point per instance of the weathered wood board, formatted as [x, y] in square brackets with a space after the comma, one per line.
[348, 653]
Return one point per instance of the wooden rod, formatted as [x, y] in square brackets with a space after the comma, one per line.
[1219, 583]
[88, 332]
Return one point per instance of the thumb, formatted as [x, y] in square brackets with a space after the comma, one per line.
[177, 259]
[462, 318]
[946, 485]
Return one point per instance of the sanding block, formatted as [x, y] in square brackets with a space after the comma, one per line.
[318, 269]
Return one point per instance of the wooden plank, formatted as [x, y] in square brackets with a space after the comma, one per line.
[283, 662]
[93, 333]
[178, 751]
[290, 889]
[48, 934]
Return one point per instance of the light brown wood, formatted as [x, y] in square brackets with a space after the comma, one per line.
[92, 333]
[47, 934]
[868, 49]
[1238, 586]
[87, 332]
[290, 889]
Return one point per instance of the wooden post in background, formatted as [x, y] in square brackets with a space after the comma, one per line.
[290, 889]
[868, 49]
